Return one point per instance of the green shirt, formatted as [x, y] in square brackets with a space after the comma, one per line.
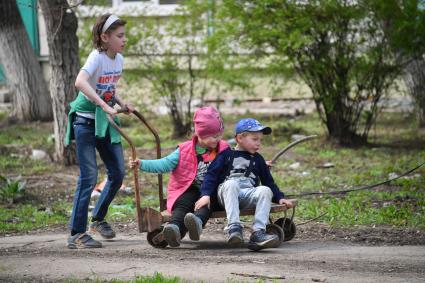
[82, 104]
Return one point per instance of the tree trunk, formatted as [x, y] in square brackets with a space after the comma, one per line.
[340, 131]
[181, 126]
[31, 100]
[61, 26]
[414, 78]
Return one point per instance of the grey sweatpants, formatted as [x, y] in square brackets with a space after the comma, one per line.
[236, 194]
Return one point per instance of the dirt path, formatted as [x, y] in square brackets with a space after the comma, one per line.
[44, 258]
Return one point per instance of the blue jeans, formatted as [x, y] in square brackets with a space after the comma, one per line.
[236, 194]
[113, 158]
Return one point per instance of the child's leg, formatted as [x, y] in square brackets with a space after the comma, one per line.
[86, 154]
[184, 204]
[194, 222]
[260, 198]
[176, 229]
[228, 196]
[113, 157]
[204, 214]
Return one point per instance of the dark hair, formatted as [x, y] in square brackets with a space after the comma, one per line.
[97, 30]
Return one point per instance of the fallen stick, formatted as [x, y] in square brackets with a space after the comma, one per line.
[257, 276]
[308, 221]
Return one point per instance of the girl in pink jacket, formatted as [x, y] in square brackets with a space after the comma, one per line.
[188, 165]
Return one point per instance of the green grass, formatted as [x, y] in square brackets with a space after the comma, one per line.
[24, 217]
[16, 144]
[3, 114]
[155, 278]
[38, 135]
[402, 209]
[402, 205]
[123, 208]
[22, 164]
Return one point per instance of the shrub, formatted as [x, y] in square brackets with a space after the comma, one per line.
[11, 189]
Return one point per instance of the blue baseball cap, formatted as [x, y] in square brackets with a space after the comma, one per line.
[251, 125]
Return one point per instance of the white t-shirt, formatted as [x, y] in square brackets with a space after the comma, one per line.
[104, 74]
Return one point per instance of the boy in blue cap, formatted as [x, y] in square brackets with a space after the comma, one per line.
[236, 176]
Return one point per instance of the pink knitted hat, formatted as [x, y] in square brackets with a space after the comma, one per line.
[207, 122]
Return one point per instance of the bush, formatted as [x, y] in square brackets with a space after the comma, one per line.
[11, 189]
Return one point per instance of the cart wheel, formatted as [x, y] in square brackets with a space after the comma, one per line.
[156, 238]
[276, 230]
[288, 227]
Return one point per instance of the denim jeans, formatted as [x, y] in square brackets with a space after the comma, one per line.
[236, 194]
[113, 158]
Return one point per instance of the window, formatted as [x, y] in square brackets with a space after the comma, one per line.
[168, 2]
[117, 3]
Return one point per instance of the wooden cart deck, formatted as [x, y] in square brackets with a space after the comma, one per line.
[166, 216]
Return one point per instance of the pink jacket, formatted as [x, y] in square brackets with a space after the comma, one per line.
[183, 175]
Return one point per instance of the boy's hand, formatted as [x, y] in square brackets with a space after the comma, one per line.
[269, 163]
[134, 163]
[286, 202]
[205, 200]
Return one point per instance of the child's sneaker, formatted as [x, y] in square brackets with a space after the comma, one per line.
[235, 236]
[194, 225]
[261, 240]
[103, 228]
[82, 241]
[172, 235]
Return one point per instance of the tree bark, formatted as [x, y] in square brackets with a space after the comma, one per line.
[414, 78]
[340, 130]
[31, 100]
[181, 126]
[61, 26]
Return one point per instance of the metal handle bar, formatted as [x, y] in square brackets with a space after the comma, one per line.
[134, 156]
[289, 146]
